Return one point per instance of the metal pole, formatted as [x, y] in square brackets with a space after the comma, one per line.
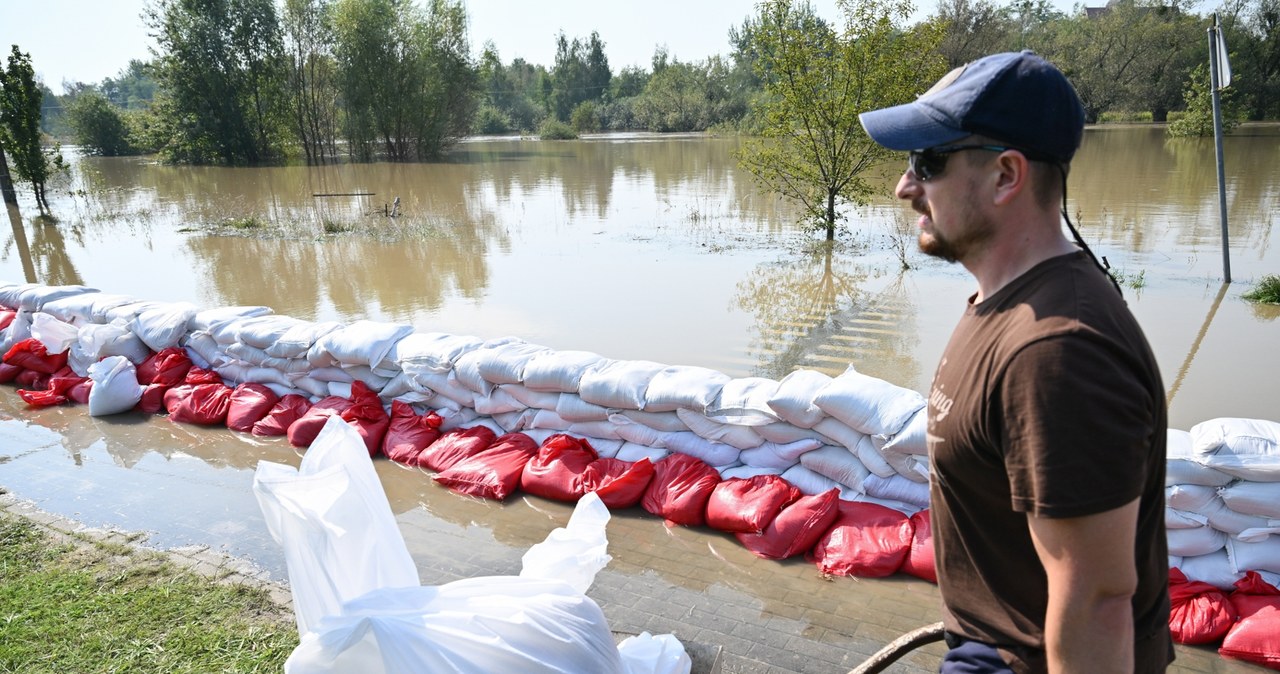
[1217, 143]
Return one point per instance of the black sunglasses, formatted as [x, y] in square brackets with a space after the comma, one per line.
[929, 163]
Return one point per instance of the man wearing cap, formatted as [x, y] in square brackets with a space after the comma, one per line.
[1047, 419]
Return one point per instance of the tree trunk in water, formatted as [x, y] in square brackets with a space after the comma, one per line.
[831, 217]
[6, 183]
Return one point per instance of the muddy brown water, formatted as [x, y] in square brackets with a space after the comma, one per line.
[632, 246]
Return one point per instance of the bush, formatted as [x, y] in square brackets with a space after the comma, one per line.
[99, 127]
[585, 118]
[1267, 291]
[490, 120]
[555, 130]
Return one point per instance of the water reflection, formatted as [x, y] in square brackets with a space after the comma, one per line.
[19, 242]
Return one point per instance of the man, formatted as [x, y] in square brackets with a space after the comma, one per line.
[1047, 421]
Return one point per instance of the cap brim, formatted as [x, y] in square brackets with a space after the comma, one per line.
[908, 127]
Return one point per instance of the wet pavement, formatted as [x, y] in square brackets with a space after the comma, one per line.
[189, 490]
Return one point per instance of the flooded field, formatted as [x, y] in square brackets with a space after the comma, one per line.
[635, 247]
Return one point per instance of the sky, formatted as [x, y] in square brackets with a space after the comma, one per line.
[89, 40]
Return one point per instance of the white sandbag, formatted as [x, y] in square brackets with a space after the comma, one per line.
[687, 386]
[487, 422]
[236, 372]
[632, 452]
[543, 400]
[1213, 568]
[456, 418]
[78, 360]
[741, 437]
[313, 387]
[1184, 467]
[35, 297]
[364, 373]
[339, 389]
[514, 421]
[605, 448]
[261, 332]
[897, 488]
[1181, 519]
[472, 626]
[745, 402]
[57, 336]
[539, 436]
[446, 386]
[868, 405]
[911, 466]
[115, 386]
[560, 371]
[911, 439]
[810, 482]
[328, 374]
[283, 391]
[163, 327]
[793, 401]
[10, 292]
[1257, 556]
[1206, 501]
[632, 431]
[662, 421]
[466, 368]
[572, 407]
[594, 429]
[505, 364]
[204, 351]
[549, 419]
[1195, 542]
[774, 455]
[497, 402]
[79, 309]
[213, 320]
[1246, 448]
[648, 654]
[861, 445]
[431, 351]
[783, 432]
[686, 442]
[1175, 561]
[298, 340]
[361, 343]
[837, 463]
[574, 553]
[745, 472]
[333, 520]
[18, 330]
[903, 507]
[1258, 534]
[112, 339]
[618, 384]
[1253, 498]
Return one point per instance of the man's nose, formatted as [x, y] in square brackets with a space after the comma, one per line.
[908, 186]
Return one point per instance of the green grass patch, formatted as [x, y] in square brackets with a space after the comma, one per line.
[89, 607]
[243, 223]
[1266, 292]
[335, 227]
[1124, 116]
[554, 130]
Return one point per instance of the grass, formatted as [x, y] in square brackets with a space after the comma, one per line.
[89, 607]
[243, 223]
[1266, 292]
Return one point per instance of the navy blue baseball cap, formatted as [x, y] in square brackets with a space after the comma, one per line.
[1016, 98]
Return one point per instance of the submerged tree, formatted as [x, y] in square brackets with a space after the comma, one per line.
[1198, 120]
[100, 128]
[20, 99]
[312, 76]
[816, 81]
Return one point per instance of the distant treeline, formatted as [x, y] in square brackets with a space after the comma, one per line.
[247, 81]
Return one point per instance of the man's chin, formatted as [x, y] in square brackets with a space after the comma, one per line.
[934, 247]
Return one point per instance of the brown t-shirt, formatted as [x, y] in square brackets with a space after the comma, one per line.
[1047, 401]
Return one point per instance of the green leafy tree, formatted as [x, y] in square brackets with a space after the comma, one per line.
[813, 149]
[20, 100]
[409, 87]
[1252, 29]
[133, 88]
[219, 70]
[1198, 119]
[99, 127]
[974, 28]
[581, 73]
[312, 77]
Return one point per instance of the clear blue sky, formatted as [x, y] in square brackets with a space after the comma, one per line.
[88, 40]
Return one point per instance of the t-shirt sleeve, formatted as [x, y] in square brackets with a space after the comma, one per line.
[1076, 425]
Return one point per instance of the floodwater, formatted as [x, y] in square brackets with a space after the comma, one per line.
[632, 246]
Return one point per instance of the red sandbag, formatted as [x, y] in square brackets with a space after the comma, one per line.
[367, 415]
[748, 505]
[199, 375]
[80, 392]
[680, 488]
[250, 402]
[30, 379]
[797, 528]
[1256, 636]
[1200, 613]
[556, 471]
[455, 446]
[866, 540]
[618, 483]
[409, 433]
[30, 354]
[203, 404]
[152, 400]
[919, 561]
[6, 317]
[168, 367]
[58, 392]
[9, 372]
[289, 409]
[304, 431]
[494, 472]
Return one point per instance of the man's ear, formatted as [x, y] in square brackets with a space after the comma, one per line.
[1013, 176]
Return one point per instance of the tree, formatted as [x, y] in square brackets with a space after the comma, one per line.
[813, 149]
[20, 100]
[408, 83]
[99, 127]
[974, 29]
[219, 70]
[133, 88]
[581, 73]
[1198, 120]
[312, 77]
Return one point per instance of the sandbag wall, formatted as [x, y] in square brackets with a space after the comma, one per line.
[831, 467]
